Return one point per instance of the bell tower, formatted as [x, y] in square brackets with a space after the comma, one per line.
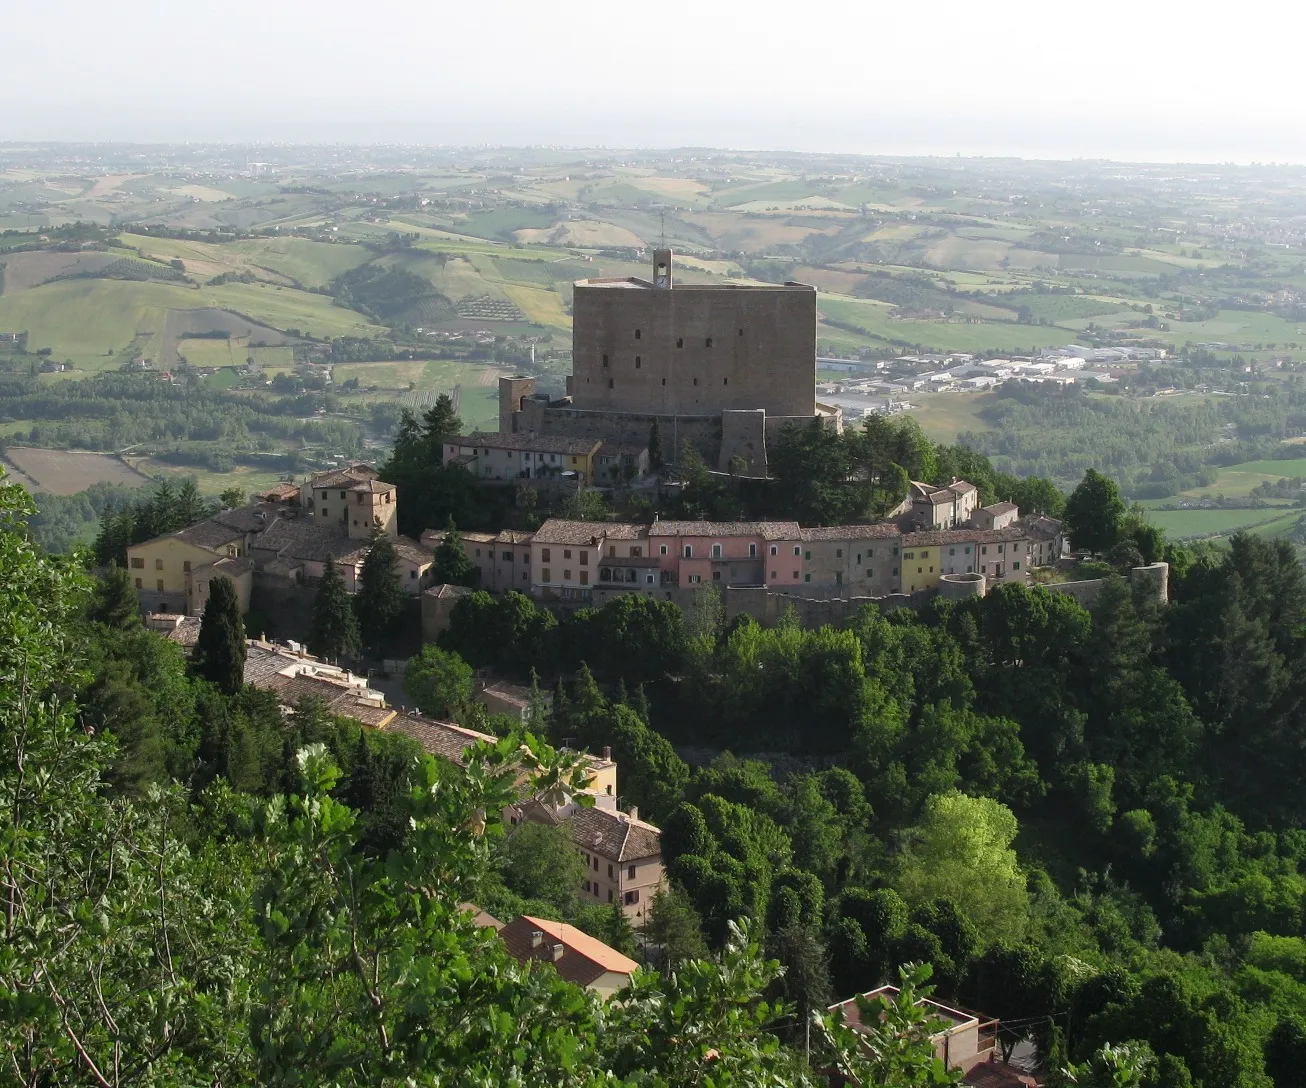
[662, 269]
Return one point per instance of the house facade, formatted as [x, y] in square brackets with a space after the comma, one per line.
[592, 561]
[499, 457]
[283, 540]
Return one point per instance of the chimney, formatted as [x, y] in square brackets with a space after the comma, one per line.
[557, 952]
[607, 752]
[634, 812]
[537, 938]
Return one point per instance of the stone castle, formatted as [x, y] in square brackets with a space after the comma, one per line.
[725, 366]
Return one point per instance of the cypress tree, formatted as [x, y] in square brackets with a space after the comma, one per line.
[655, 446]
[380, 597]
[451, 562]
[335, 627]
[220, 649]
[115, 603]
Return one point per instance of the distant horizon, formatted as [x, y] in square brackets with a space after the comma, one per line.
[1134, 81]
[640, 149]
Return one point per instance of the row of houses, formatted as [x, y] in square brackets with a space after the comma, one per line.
[944, 532]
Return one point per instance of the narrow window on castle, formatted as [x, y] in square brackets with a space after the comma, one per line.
[680, 341]
[637, 334]
[605, 360]
[636, 362]
[741, 332]
[695, 381]
[725, 381]
[708, 342]
[611, 383]
[664, 381]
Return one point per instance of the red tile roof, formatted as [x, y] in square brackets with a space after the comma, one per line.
[584, 959]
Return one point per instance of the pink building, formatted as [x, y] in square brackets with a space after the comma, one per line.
[694, 553]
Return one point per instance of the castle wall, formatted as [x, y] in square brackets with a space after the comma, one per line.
[694, 350]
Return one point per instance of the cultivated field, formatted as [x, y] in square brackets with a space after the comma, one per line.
[247, 479]
[943, 416]
[1181, 524]
[66, 472]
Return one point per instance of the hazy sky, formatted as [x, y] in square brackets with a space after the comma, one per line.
[1137, 79]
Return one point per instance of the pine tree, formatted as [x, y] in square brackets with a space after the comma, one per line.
[380, 597]
[220, 650]
[335, 627]
[115, 603]
[439, 423]
[655, 446]
[451, 563]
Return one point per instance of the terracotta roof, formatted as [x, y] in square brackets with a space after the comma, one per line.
[939, 497]
[482, 918]
[961, 487]
[514, 536]
[304, 539]
[767, 530]
[444, 739]
[998, 1074]
[614, 835]
[584, 959]
[228, 567]
[446, 590]
[209, 534]
[282, 492]
[408, 548]
[533, 443]
[964, 536]
[1000, 508]
[1043, 528]
[343, 477]
[878, 531]
[372, 487]
[621, 449]
[562, 531]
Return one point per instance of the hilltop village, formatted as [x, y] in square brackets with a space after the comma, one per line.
[723, 368]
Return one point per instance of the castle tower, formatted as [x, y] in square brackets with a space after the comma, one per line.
[512, 391]
[372, 504]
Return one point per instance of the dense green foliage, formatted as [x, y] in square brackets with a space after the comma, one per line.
[291, 914]
[820, 477]
[194, 422]
[1084, 815]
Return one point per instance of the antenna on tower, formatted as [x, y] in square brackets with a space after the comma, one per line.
[663, 243]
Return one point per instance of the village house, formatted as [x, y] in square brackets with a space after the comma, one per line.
[504, 457]
[1047, 541]
[942, 507]
[695, 553]
[575, 955]
[862, 558]
[285, 540]
[997, 516]
[1001, 555]
[503, 559]
[964, 1039]
[617, 463]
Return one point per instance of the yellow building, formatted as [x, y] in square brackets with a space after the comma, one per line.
[172, 572]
